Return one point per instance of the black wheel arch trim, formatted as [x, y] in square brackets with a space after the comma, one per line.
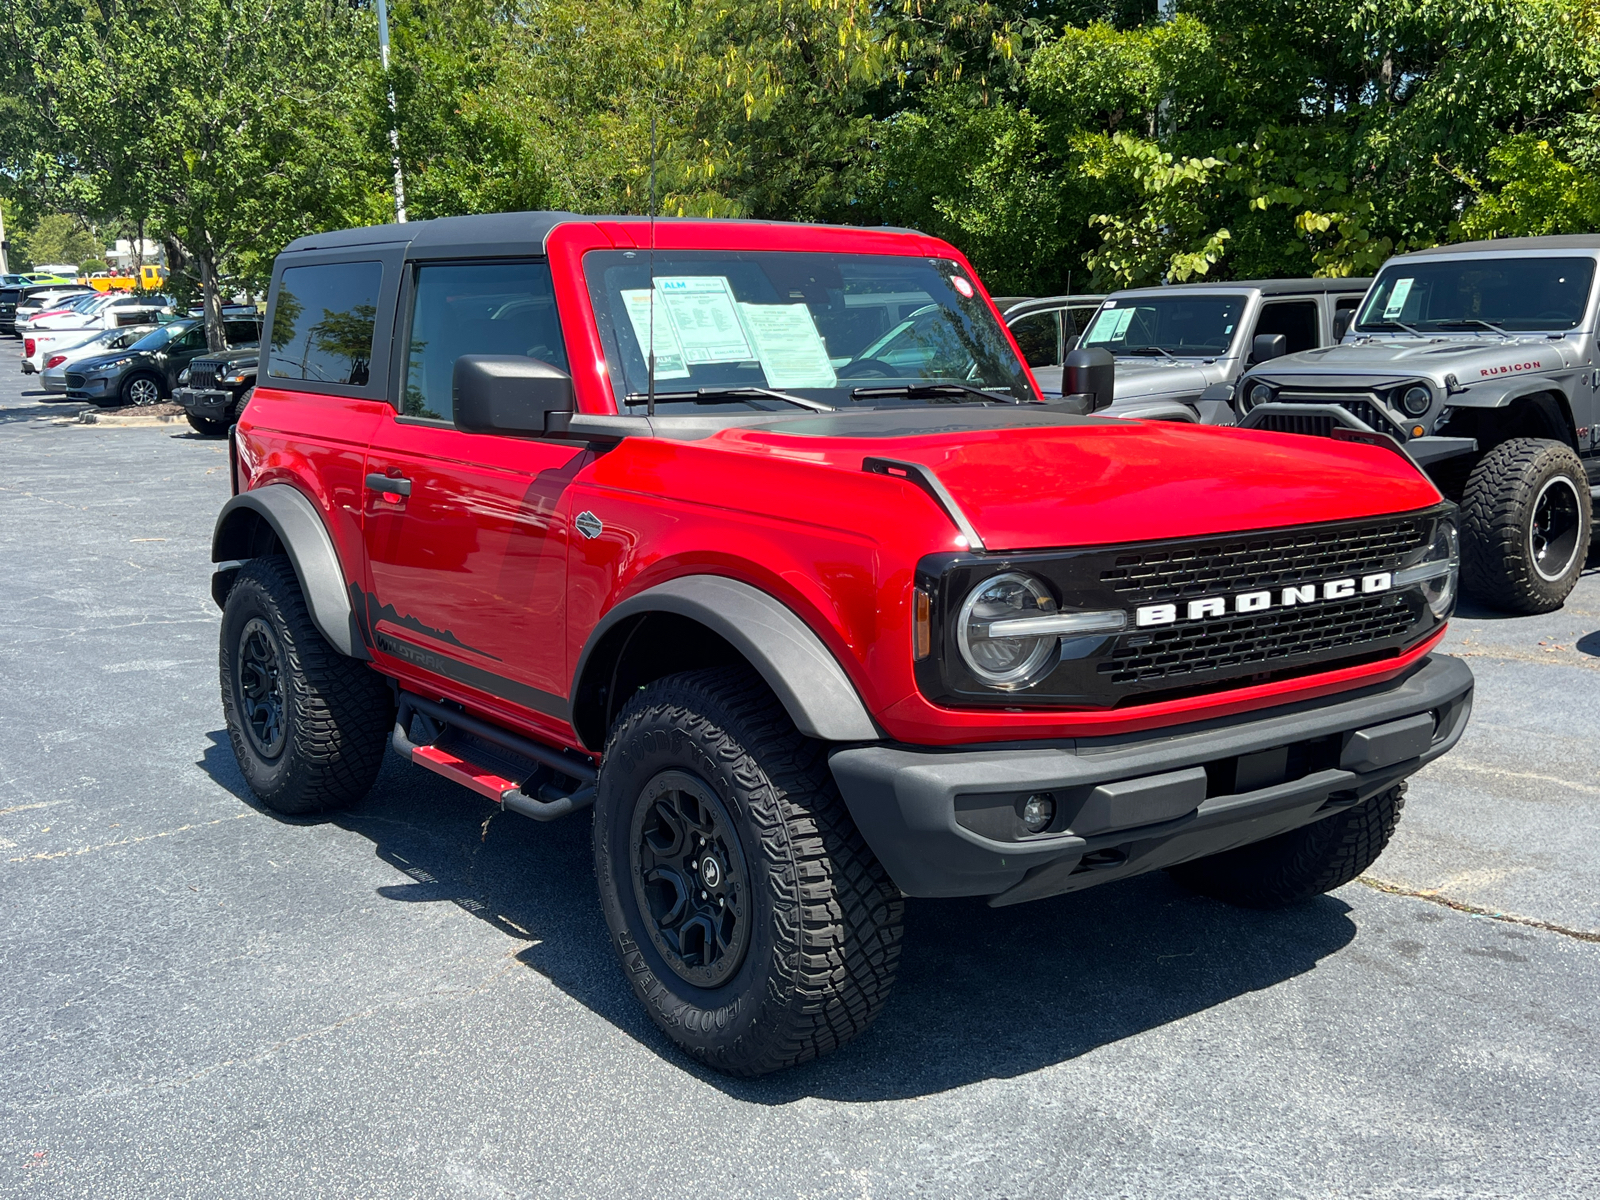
[305, 539]
[795, 663]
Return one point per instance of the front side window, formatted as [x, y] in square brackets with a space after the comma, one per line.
[1295, 319]
[1524, 295]
[1158, 326]
[323, 322]
[475, 308]
[841, 330]
[1039, 334]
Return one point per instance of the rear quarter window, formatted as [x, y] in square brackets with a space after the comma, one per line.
[323, 320]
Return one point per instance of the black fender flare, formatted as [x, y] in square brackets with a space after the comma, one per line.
[795, 663]
[305, 539]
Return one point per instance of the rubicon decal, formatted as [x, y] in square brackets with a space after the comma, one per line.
[1511, 368]
[1254, 602]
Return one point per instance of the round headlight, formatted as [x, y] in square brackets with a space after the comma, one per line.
[1007, 663]
[1260, 394]
[1416, 400]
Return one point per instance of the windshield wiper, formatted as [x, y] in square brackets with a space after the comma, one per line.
[1469, 322]
[1152, 351]
[728, 395]
[929, 391]
[1391, 325]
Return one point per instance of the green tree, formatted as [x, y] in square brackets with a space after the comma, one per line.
[59, 238]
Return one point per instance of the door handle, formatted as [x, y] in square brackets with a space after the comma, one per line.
[393, 484]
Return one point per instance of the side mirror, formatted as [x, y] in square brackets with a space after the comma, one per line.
[507, 393]
[1268, 345]
[1090, 373]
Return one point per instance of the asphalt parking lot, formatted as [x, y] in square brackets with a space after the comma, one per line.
[415, 998]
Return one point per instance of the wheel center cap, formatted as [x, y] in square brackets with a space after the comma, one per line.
[710, 872]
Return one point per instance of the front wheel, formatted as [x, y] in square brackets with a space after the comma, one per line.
[751, 919]
[141, 391]
[206, 425]
[1302, 863]
[1525, 524]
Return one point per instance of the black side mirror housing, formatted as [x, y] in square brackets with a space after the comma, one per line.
[507, 393]
[1090, 373]
[1268, 345]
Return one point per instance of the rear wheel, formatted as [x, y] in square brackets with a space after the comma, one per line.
[1302, 863]
[141, 391]
[1525, 525]
[748, 914]
[308, 725]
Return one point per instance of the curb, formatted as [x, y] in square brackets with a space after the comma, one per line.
[153, 420]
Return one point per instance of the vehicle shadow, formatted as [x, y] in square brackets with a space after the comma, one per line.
[983, 993]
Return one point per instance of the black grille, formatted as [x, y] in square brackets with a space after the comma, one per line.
[1295, 556]
[1177, 654]
[1362, 406]
[76, 379]
[1310, 424]
[203, 373]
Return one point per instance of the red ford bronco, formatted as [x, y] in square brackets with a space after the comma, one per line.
[814, 600]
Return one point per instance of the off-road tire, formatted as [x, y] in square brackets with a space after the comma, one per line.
[1502, 497]
[823, 939]
[140, 391]
[336, 712]
[237, 409]
[1302, 863]
[206, 425]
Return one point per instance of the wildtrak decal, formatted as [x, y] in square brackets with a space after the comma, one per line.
[1511, 368]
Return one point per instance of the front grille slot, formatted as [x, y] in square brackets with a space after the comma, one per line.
[1309, 424]
[76, 380]
[203, 374]
[1363, 406]
[1181, 652]
[1248, 563]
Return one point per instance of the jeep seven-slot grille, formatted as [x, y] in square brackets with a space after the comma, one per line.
[1248, 562]
[1359, 405]
[1310, 424]
[203, 373]
[1178, 653]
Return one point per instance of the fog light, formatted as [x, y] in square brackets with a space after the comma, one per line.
[1038, 811]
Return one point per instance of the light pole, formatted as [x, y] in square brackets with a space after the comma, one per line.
[394, 114]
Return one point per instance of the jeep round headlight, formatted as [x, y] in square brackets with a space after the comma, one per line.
[1436, 569]
[1416, 400]
[1260, 394]
[1005, 662]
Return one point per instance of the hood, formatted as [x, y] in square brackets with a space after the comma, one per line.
[1470, 359]
[238, 356]
[1034, 481]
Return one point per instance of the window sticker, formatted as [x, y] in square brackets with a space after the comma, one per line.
[701, 308]
[1397, 299]
[962, 286]
[669, 355]
[790, 348]
[1116, 325]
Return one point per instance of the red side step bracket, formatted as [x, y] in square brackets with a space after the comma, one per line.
[459, 770]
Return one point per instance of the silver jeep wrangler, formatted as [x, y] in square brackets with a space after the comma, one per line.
[1479, 360]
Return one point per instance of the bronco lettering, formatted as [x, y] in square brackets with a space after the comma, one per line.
[1147, 615]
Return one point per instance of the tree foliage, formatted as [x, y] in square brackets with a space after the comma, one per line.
[1050, 139]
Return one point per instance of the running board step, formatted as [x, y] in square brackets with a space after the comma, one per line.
[519, 774]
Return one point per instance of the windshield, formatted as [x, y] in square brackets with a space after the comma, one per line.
[159, 338]
[1196, 326]
[835, 330]
[1511, 294]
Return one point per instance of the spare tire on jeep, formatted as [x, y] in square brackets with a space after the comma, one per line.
[1526, 518]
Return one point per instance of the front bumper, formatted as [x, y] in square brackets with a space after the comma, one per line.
[96, 389]
[212, 403]
[1320, 419]
[945, 822]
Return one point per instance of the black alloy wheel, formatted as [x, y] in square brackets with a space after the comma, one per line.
[258, 665]
[690, 878]
[1553, 532]
[748, 914]
[1525, 525]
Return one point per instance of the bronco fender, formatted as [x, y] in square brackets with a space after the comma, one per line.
[297, 527]
[808, 681]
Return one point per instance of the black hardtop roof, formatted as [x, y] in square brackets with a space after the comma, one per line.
[1557, 241]
[519, 233]
[1267, 287]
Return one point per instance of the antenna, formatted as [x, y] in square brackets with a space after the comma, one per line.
[650, 395]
